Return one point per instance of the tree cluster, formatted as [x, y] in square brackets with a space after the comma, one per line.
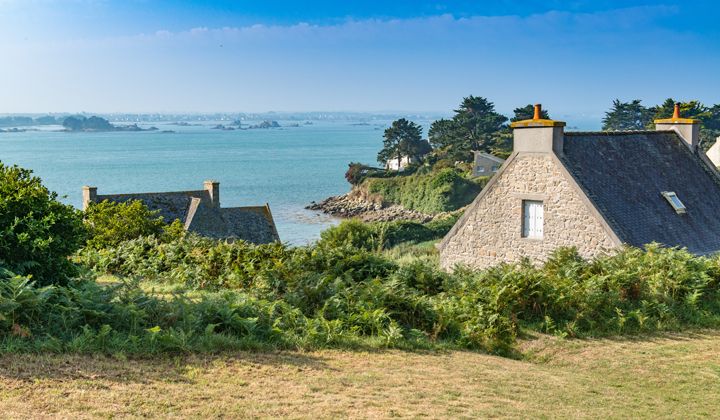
[403, 139]
[37, 232]
[80, 123]
[635, 116]
[475, 126]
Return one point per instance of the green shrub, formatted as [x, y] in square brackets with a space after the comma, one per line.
[37, 232]
[109, 223]
[434, 192]
[350, 233]
[384, 235]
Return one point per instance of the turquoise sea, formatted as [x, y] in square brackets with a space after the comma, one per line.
[286, 167]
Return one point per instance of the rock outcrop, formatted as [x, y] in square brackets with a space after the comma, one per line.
[367, 207]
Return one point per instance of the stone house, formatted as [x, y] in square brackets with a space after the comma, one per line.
[399, 164]
[714, 153]
[592, 190]
[485, 164]
[200, 212]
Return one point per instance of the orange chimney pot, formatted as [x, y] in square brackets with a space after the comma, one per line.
[538, 112]
[676, 111]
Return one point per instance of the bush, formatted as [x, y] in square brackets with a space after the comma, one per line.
[434, 192]
[356, 173]
[37, 232]
[109, 223]
[384, 235]
[341, 292]
[352, 233]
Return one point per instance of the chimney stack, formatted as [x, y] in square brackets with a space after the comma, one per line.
[89, 195]
[687, 128]
[538, 135]
[213, 189]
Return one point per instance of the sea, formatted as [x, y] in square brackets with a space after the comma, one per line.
[286, 167]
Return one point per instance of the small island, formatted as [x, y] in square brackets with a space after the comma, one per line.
[98, 124]
[266, 124]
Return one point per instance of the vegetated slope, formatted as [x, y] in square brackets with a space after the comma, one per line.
[434, 192]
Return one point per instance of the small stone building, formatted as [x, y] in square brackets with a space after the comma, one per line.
[400, 164]
[396, 164]
[200, 212]
[592, 190]
[485, 164]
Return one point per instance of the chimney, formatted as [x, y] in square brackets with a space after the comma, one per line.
[89, 195]
[687, 128]
[538, 135]
[213, 188]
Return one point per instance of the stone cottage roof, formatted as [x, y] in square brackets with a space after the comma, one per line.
[624, 175]
[488, 156]
[197, 211]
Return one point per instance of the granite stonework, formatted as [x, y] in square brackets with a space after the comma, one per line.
[599, 191]
[490, 233]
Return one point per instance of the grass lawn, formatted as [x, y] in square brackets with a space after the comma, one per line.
[672, 375]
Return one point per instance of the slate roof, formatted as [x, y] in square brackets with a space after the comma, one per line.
[488, 156]
[196, 211]
[624, 174]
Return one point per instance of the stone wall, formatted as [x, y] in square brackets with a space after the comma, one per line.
[491, 231]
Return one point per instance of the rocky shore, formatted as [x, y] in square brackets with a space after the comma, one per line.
[368, 208]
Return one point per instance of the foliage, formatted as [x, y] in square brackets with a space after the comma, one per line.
[37, 232]
[709, 118]
[18, 121]
[350, 233]
[627, 116]
[634, 116]
[81, 123]
[402, 139]
[475, 126]
[385, 235]
[434, 192]
[527, 112]
[358, 172]
[109, 223]
[342, 292]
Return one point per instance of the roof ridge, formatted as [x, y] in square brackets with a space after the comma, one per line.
[613, 133]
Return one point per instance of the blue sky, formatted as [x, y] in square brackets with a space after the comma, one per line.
[192, 56]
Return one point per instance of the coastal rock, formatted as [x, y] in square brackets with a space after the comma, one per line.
[368, 208]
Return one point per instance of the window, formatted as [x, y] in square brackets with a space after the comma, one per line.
[480, 169]
[674, 201]
[495, 168]
[532, 222]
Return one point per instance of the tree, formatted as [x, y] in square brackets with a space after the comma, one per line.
[475, 126]
[80, 123]
[692, 109]
[110, 223]
[712, 122]
[527, 112]
[37, 232]
[402, 138]
[442, 133]
[74, 123]
[709, 118]
[627, 116]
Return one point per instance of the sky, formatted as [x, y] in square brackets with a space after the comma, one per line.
[575, 57]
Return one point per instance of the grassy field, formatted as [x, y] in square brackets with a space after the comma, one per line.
[672, 375]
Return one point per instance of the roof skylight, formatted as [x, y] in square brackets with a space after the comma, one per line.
[674, 201]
